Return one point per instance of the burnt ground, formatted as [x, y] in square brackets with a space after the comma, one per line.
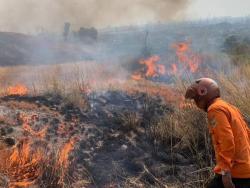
[114, 145]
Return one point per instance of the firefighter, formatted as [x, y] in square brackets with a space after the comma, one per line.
[230, 135]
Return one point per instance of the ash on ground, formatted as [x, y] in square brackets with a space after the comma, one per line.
[114, 145]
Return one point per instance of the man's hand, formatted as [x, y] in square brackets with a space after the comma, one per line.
[227, 181]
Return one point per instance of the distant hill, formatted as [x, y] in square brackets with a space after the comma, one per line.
[15, 48]
[19, 49]
[119, 44]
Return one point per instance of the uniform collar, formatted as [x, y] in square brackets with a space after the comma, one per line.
[212, 102]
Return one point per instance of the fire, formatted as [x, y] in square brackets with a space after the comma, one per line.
[18, 89]
[23, 165]
[187, 60]
[65, 151]
[182, 47]
[136, 76]
[186, 57]
[63, 160]
[152, 68]
[40, 134]
[27, 128]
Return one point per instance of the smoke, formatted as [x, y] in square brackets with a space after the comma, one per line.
[32, 15]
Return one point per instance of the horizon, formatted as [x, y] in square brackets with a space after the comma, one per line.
[33, 17]
[208, 21]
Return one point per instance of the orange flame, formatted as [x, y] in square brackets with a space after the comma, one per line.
[65, 151]
[185, 56]
[40, 134]
[27, 128]
[186, 59]
[23, 166]
[151, 65]
[18, 89]
[151, 69]
[182, 47]
[63, 160]
[136, 76]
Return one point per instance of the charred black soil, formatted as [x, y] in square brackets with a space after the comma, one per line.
[114, 145]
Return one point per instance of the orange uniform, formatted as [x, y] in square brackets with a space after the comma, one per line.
[231, 139]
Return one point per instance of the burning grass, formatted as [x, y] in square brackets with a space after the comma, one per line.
[17, 90]
[177, 134]
[23, 165]
[34, 161]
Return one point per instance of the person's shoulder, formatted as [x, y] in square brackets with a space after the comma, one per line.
[218, 105]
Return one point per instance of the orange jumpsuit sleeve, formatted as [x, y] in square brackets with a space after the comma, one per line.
[223, 139]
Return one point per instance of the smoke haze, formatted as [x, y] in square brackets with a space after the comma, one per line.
[32, 15]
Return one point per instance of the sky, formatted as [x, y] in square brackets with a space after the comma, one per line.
[202, 9]
[50, 15]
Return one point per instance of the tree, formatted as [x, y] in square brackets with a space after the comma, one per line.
[66, 31]
[87, 34]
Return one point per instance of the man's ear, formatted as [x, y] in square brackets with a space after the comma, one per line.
[202, 91]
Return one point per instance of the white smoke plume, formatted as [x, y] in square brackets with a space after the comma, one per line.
[32, 15]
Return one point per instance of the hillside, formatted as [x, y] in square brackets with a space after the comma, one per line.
[205, 37]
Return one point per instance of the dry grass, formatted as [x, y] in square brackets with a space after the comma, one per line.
[37, 167]
[56, 176]
[184, 130]
[130, 120]
[236, 87]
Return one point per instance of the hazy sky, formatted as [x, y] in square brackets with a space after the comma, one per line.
[218, 8]
[30, 15]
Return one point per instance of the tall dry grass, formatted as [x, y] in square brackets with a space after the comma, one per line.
[235, 87]
[185, 130]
